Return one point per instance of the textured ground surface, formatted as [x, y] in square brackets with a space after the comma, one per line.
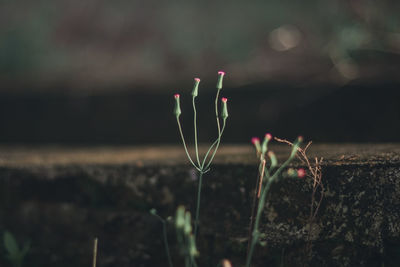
[60, 198]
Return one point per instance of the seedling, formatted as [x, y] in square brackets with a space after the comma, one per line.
[268, 174]
[202, 166]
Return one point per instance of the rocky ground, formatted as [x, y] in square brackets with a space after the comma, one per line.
[61, 198]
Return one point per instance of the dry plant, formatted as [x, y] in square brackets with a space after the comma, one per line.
[315, 173]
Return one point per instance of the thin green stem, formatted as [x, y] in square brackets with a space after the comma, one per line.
[255, 234]
[184, 144]
[195, 129]
[193, 261]
[261, 203]
[164, 225]
[196, 221]
[216, 112]
[216, 146]
[166, 244]
[206, 155]
[209, 150]
[183, 246]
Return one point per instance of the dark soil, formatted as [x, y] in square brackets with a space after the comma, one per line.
[61, 205]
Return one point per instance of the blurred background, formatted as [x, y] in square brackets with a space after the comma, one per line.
[104, 72]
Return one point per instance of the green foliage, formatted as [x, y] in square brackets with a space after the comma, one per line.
[14, 254]
[185, 237]
[268, 174]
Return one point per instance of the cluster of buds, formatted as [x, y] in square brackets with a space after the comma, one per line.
[195, 92]
[183, 224]
[299, 173]
[262, 148]
[203, 166]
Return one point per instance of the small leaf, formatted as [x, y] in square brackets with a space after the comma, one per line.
[10, 244]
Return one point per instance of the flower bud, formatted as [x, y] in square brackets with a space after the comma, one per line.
[274, 161]
[153, 211]
[301, 173]
[195, 90]
[264, 145]
[192, 247]
[224, 113]
[188, 223]
[291, 172]
[220, 79]
[180, 217]
[177, 108]
[256, 143]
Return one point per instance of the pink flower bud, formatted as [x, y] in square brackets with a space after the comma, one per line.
[268, 136]
[195, 90]
[300, 138]
[301, 173]
[255, 140]
[224, 112]
[220, 79]
[177, 108]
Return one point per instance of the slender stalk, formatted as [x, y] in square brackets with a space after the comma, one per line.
[256, 234]
[261, 204]
[196, 221]
[165, 237]
[181, 243]
[216, 146]
[216, 112]
[184, 144]
[257, 191]
[195, 130]
[95, 252]
[211, 147]
[166, 244]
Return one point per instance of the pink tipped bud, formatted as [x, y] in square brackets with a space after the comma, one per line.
[300, 138]
[224, 112]
[256, 143]
[177, 108]
[220, 79]
[268, 136]
[195, 90]
[255, 140]
[301, 173]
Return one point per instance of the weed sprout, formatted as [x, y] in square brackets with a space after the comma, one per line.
[268, 174]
